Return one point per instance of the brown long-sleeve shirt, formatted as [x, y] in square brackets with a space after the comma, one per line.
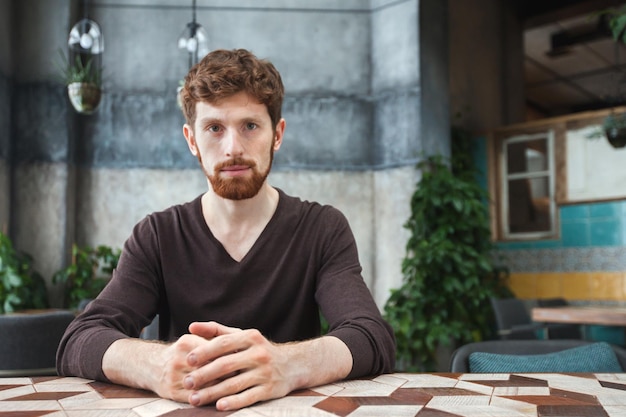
[303, 263]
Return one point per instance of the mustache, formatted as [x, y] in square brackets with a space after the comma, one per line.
[235, 161]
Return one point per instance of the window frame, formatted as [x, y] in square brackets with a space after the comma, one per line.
[550, 172]
[494, 162]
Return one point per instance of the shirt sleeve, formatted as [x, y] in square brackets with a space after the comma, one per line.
[126, 305]
[347, 304]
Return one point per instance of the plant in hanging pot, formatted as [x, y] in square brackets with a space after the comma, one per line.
[614, 125]
[614, 128]
[84, 83]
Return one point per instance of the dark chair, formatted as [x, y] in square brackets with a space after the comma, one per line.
[513, 320]
[460, 363]
[561, 330]
[29, 342]
[151, 331]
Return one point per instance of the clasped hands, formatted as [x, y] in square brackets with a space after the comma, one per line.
[232, 367]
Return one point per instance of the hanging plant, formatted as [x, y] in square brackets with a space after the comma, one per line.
[83, 81]
[613, 129]
[614, 125]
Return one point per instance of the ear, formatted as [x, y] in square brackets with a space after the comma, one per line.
[191, 139]
[280, 131]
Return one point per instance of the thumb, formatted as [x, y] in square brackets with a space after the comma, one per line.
[210, 329]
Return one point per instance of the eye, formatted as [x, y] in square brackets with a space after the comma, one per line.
[251, 126]
[213, 128]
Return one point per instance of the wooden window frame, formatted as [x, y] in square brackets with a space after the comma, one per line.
[556, 132]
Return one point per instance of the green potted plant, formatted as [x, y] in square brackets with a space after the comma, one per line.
[614, 125]
[21, 287]
[84, 82]
[88, 273]
[614, 129]
[449, 274]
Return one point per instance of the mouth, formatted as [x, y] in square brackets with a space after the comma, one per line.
[235, 170]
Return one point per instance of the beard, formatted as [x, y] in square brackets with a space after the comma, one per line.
[237, 188]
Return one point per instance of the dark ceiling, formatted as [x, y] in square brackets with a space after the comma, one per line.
[571, 63]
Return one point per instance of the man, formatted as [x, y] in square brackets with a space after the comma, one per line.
[239, 275]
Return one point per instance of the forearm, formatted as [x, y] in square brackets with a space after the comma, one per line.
[317, 361]
[134, 362]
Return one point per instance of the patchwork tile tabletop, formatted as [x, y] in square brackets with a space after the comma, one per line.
[391, 395]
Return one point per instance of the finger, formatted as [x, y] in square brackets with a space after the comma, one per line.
[217, 370]
[230, 386]
[243, 399]
[210, 329]
[221, 346]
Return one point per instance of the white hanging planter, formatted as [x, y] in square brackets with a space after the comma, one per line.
[85, 97]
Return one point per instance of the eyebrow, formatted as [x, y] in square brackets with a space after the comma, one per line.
[256, 118]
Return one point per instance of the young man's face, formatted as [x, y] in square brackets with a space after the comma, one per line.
[234, 140]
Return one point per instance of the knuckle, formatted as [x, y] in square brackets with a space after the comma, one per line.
[255, 335]
[262, 356]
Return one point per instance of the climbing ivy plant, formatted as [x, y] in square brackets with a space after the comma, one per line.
[448, 271]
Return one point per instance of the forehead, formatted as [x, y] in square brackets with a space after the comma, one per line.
[239, 105]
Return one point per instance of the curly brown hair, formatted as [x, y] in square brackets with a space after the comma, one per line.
[222, 73]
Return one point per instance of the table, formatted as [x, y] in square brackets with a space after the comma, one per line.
[607, 316]
[390, 395]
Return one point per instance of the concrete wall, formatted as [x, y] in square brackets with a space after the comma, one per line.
[354, 73]
[40, 218]
[6, 73]
[486, 64]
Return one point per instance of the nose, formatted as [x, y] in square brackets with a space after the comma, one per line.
[233, 144]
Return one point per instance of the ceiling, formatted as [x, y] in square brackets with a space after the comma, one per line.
[583, 75]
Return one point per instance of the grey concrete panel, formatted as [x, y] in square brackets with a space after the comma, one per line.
[145, 130]
[5, 116]
[108, 218]
[39, 224]
[6, 37]
[253, 4]
[398, 129]
[5, 152]
[43, 27]
[5, 196]
[40, 122]
[326, 133]
[136, 130]
[314, 49]
[434, 77]
[395, 46]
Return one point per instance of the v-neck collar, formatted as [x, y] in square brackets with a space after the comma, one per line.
[262, 236]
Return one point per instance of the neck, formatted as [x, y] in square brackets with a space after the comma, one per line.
[222, 212]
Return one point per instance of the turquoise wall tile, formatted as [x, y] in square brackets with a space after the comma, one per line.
[546, 244]
[612, 209]
[575, 234]
[479, 155]
[576, 212]
[605, 233]
[514, 245]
